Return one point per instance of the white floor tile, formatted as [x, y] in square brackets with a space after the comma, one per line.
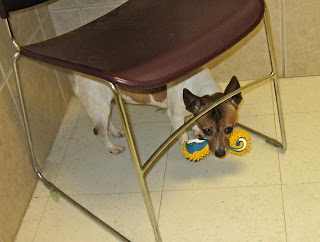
[302, 209]
[89, 168]
[126, 213]
[31, 220]
[63, 222]
[240, 214]
[301, 163]
[258, 167]
[300, 94]
[231, 199]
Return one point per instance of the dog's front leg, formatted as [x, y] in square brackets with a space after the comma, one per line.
[177, 120]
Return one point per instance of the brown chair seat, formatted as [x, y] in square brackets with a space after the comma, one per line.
[148, 43]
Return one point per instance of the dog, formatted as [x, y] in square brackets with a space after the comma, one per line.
[176, 97]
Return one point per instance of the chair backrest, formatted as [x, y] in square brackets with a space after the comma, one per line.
[7, 6]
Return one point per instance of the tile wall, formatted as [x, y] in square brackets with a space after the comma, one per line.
[47, 93]
[296, 37]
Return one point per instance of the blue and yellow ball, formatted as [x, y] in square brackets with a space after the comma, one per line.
[197, 149]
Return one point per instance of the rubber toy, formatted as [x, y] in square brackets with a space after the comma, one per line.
[197, 149]
[240, 142]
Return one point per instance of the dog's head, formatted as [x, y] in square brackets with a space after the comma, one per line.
[217, 124]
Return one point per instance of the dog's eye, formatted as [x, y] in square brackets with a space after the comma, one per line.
[228, 130]
[207, 131]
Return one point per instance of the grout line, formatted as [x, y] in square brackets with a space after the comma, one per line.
[274, 106]
[220, 188]
[164, 177]
[3, 82]
[39, 27]
[282, 199]
[79, 5]
[283, 38]
[12, 96]
[83, 20]
[177, 190]
[284, 214]
[275, 122]
[183, 189]
[10, 72]
[300, 112]
[41, 217]
[60, 87]
[45, 38]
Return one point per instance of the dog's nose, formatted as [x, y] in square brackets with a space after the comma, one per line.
[220, 153]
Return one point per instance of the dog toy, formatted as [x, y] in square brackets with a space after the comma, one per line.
[240, 142]
[197, 149]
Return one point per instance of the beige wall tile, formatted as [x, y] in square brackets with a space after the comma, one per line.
[46, 106]
[302, 35]
[249, 58]
[6, 48]
[48, 28]
[38, 37]
[87, 2]
[2, 76]
[66, 20]
[63, 4]
[44, 103]
[42, 11]
[45, 109]
[17, 179]
[24, 24]
[65, 84]
[11, 80]
[44, 131]
[41, 89]
[91, 14]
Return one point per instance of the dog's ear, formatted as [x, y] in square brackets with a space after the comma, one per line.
[193, 103]
[232, 86]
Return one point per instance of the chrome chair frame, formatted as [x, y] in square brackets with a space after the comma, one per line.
[142, 171]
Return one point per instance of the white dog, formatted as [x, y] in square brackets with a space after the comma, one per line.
[97, 97]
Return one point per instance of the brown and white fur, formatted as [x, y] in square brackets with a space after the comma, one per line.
[217, 124]
[97, 99]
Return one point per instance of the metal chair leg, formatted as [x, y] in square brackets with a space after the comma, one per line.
[274, 78]
[153, 158]
[136, 163]
[35, 163]
[142, 171]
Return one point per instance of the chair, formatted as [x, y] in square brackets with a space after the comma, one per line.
[147, 44]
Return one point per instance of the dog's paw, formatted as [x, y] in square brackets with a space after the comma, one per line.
[183, 138]
[116, 149]
[118, 133]
[196, 131]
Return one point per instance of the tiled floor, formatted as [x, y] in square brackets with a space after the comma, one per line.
[266, 195]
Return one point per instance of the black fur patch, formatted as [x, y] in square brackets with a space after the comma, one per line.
[95, 130]
[217, 114]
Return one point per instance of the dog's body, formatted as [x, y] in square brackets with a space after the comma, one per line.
[97, 97]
